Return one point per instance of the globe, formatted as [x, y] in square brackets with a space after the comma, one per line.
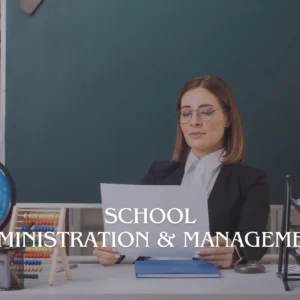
[7, 197]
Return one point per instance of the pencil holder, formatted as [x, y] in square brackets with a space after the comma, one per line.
[11, 268]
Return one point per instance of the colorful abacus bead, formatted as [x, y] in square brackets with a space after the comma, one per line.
[31, 276]
[32, 262]
[17, 261]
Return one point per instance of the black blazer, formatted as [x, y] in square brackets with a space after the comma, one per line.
[238, 202]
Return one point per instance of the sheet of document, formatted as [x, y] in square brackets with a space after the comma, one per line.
[185, 203]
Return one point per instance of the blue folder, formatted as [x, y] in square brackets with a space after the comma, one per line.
[175, 269]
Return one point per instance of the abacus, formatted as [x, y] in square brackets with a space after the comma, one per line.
[39, 262]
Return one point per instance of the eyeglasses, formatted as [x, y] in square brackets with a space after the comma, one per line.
[184, 115]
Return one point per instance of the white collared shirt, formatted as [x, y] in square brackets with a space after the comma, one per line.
[202, 172]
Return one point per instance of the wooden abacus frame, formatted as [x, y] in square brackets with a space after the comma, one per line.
[58, 251]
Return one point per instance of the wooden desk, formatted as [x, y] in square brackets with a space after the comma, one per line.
[95, 282]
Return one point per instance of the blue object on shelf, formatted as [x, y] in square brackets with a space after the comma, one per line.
[7, 196]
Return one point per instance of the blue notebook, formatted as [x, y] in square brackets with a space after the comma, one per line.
[175, 269]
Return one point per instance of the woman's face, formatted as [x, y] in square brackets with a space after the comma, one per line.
[203, 131]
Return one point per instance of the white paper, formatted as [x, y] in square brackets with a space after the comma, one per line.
[193, 199]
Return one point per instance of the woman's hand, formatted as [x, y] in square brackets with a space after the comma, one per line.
[107, 256]
[220, 254]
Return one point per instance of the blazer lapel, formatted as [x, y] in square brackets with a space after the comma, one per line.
[178, 174]
[217, 199]
[174, 175]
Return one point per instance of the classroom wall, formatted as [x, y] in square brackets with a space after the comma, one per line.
[92, 86]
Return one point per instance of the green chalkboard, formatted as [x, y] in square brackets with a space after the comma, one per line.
[92, 86]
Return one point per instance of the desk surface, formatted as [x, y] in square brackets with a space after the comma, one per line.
[91, 282]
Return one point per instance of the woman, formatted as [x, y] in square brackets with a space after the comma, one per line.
[209, 151]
